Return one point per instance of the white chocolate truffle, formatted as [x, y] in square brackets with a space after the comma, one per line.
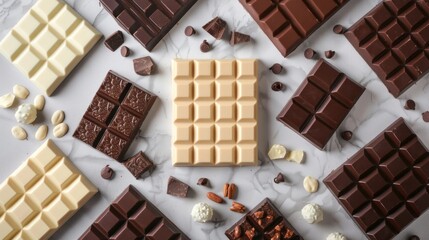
[277, 151]
[26, 113]
[202, 212]
[336, 236]
[312, 213]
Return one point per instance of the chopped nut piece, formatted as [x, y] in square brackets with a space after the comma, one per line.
[237, 232]
[259, 214]
[225, 189]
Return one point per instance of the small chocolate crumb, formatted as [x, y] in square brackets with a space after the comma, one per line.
[279, 179]
[189, 31]
[144, 66]
[107, 173]
[425, 116]
[125, 51]
[205, 46]
[203, 182]
[339, 29]
[414, 237]
[276, 68]
[329, 54]
[277, 86]
[114, 41]
[346, 135]
[237, 38]
[410, 105]
[309, 53]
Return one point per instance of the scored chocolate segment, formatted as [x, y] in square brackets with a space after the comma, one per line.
[384, 186]
[147, 20]
[320, 104]
[393, 38]
[265, 221]
[288, 23]
[114, 116]
[132, 216]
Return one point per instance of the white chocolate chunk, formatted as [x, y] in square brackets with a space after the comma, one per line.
[19, 133]
[20, 91]
[57, 117]
[7, 100]
[60, 130]
[277, 151]
[295, 156]
[39, 102]
[311, 184]
[26, 113]
[41, 132]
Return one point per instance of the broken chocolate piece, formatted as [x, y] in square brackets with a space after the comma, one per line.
[125, 51]
[279, 179]
[339, 29]
[205, 46]
[276, 68]
[237, 38]
[410, 105]
[139, 164]
[216, 27]
[203, 182]
[309, 53]
[177, 188]
[329, 54]
[114, 41]
[425, 116]
[144, 66]
[347, 135]
[277, 86]
[107, 172]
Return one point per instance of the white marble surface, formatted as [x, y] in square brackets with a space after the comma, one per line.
[372, 113]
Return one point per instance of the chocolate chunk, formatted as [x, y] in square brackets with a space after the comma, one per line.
[414, 237]
[132, 216]
[114, 41]
[373, 184]
[148, 21]
[237, 38]
[125, 51]
[425, 116]
[279, 178]
[288, 23]
[347, 135]
[138, 165]
[216, 27]
[276, 68]
[309, 53]
[177, 188]
[329, 54]
[205, 46]
[320, 104]
[277, 86]
[107, 172]
[203, 181]
[339, 29]
[189, 31]
[410, 105]
[144, 66]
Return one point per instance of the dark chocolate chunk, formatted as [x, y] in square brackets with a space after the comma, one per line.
[288, 23]
[383, 187]
[410, 105]
[347, 135]
[237, 38]
[114, 116]
[114, 41]
[189, 31]
[138, 165]
[265, 221]
[279, 178]
[205, 46]
[277, 86]
[276, 68]
[425, 116]
[320, 104]
[147, 20]
[177, 188]
[125, 51]
[203, 181]
[216, 27]
[144, 66]
[393, 39]
[107, 173]
[414, 237]
[339, 29]
[309, 53]
[329, 54]
[132, 216]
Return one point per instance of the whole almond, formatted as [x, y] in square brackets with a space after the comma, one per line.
[238, 205]
[232, 189]
[238, 210]
[214, 197]
[225, 189]
[39, 102]
[237, 231]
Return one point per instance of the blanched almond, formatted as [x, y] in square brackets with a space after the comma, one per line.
[19, 133]
[41, 133]
[57, 117]
[7, 100]
[39, 102]
[20, 91]
[60, 130]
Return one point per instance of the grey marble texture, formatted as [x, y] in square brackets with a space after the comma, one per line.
[375, 110]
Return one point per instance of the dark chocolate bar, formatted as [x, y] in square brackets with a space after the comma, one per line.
[393, 39]
[320, 104]
[384, 186]
[132, 216]
[288, 23]
[265, 221]
[147, 20]
[114, 116]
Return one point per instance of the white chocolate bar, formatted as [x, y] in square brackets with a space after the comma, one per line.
[41, 195]
[215, 112]
[48, 42]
